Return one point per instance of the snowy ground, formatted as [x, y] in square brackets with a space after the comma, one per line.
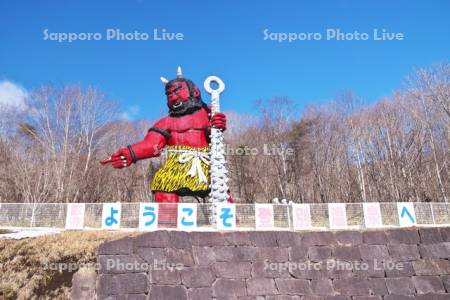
[23, 233]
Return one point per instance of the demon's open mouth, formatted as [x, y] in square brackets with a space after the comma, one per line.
[177, 104]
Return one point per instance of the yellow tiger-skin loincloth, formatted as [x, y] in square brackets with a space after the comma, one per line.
[186, 168]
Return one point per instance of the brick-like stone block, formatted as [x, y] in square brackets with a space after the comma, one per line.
[261, 287]
[319, 253]
[293, 286]
[430, 235]
[338, 269]
[368, 298]
[267, 269]
[153, 256]
[355, 286]
[116, 264]
[337, 297]
[286, 297]
[322, 287]
[107, 285]
[272, 254]
[170, 276]
[403, 252]
[263, 238]
[431, 267]
[229, 288]
[370, 268]
[167, 292]
[289, 239]
[179, 239]
[321, 238]
[232, 269]
[137, 297]
[438, 250]
[199, 293]
[298, 253]
[400, 286]
[403, 236]
[240, 238]
[348, 253]
[349, 237]
[207, 239]
[374, 237]
[203, 256]
[428, 284]
[446, 281]
[444, 266]
[133, 283]
[399, 269]
[120, 246]
[154, 239]
[182, 257]
[445, 233]
[235, 254]
[197, 277]
[308, 270]
[371, 252]
[399, 297]
[378, 286]
[432, 296]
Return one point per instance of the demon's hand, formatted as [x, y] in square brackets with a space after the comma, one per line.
[121, 158]
[219, 120]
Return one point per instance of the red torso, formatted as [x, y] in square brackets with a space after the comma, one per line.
[189, 130]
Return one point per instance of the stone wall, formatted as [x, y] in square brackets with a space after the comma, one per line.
[385, 264]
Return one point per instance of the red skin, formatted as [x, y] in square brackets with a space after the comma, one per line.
[188, 130]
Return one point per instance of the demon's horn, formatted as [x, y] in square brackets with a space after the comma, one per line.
[164, 80]
[179, 73]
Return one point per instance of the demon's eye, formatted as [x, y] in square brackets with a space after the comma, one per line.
[173, 89]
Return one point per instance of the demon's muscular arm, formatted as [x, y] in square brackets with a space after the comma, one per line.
[153, 143]
[150, 146]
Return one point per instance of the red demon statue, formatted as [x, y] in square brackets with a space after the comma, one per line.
[185, 134]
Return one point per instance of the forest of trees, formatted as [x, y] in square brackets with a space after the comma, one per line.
[396, 149]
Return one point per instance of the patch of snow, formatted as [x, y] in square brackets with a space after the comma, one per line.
[23, 233]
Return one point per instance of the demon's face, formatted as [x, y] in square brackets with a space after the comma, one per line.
[182, 96]
[177, 92]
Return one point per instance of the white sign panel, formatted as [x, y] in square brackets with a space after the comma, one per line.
[111, 215]
[187, 216]
[264, 216]
[301, 216]
[225, 216]
[337, 215]
[372, 215]
[148, 216]
[406, 214]
[75, 216]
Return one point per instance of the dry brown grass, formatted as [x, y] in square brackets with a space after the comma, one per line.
[23, 272]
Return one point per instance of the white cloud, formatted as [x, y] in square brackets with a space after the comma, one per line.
[130, 113]
[12, 96]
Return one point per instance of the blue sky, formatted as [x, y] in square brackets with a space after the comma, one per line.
[224, 38]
